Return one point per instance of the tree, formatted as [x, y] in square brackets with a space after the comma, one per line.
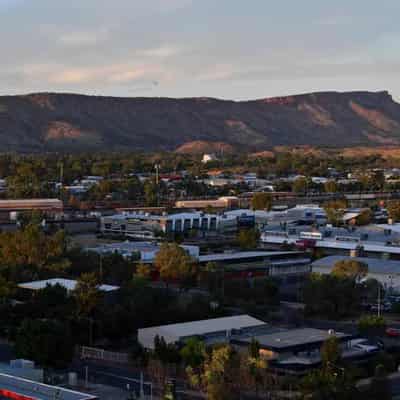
[174, 263]
[364, 218]
[217, 375]
[167, 353]
[330, 352]
[334, 211]
[300, 185]
[331, 295]
[352, 269]
[193, 352]
[47, 342]
[143, 271]
[331, 381]
[151, 193]
[31, 249]
[330, 186]
[53, 302]
[28, 181]
[261, 201]
[393, 208]
[256, 366]
[329, 384]
[248, 239]
[254, 348]
[87, 294]
[372, 325]
[6, 289]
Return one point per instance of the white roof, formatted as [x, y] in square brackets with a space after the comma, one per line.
[392, 227]
[375, 265]
[174, 332]
[40, 391]
[69, 284]
[240, 255]
[350, 215]
[146, 216]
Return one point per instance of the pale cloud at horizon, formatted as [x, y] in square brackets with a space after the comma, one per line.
[225, 48]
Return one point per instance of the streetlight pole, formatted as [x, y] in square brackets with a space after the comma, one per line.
[101, 268]
[157, 168]
[379, 299]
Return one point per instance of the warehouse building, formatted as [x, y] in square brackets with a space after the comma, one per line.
[387, 272]
[145, 225]
[221, 203]
[10, 209]
[296, 351]
[143, 251]
[217, 330]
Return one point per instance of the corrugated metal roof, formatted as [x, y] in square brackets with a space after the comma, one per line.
[69, 284]
[375, 265]
[206, 326]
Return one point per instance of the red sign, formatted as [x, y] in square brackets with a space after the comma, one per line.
[8, 394]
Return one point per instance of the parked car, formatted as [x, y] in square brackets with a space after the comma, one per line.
[393, 332]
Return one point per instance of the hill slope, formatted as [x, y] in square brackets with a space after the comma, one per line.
[57, 122]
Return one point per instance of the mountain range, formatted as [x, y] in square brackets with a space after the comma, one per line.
[46, 122]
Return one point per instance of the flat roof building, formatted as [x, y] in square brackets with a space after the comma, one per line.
[216, 328]
[220, 203]
[296, 351]
[145, 225]
[9, 209]
[387, 272]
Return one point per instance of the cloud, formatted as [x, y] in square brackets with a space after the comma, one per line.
[335, 20]
[83, 38]
[88, 76]
[161, 52]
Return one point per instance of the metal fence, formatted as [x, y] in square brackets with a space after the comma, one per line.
[94, 353]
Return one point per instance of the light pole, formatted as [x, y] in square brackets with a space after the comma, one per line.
[379, 299]
[157, 168]
[101, 267]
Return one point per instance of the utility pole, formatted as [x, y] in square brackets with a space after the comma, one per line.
[101, 268]
[379, 300]
[157, 168]
[86, 376]
[61, 179]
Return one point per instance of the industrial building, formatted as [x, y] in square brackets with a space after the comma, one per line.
[296, 351]
[293, 351]
[145, 225]
[143, 251]
[387, 272]
[210, 330]
[221, 203]
[9, 209]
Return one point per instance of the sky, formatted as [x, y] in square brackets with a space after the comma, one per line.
[232, 49]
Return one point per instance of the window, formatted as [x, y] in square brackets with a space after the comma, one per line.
[213, 224]
[186, 224]
[178, 225]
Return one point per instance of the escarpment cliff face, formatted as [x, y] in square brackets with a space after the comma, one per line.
[70, 122]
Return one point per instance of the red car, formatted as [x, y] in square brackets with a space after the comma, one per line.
[393, 332]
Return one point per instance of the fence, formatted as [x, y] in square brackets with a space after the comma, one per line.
[100, 354]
